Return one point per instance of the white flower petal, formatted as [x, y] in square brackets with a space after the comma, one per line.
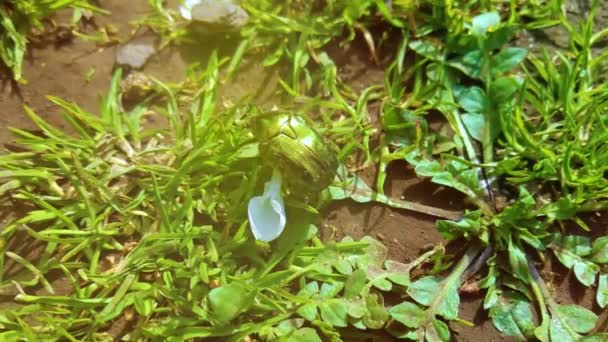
[186, 9]
[267, 212]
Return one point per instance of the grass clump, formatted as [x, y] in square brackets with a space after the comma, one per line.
[19, 18]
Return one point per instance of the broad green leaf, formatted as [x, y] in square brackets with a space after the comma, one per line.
[375, 253]
[562, 333]
[308, 311]
[425, 289]
[602, 337]
[484, 22]
[409, 314]
[470, 64]
[330, 290]
[376, 315]
[229, 301]
[491, 298]
[518, 262]
[451, 301]
[425, 49]
[475, 124]
[599, 252]
[343, 266]
[378, 278]
[401, 332]
[303, 335]
[399, 272]
[602, 291]
[454, 174]
[579, 245]
[309, 290]
[473, 100]
[570, 251]
[356, 308]
[499, 37]
[586, 272]
[512, 317]
[437, 331]
[354, 284]
[334, 312]
[507, 59]
[288, 326]
[504, 89]
[578, 318]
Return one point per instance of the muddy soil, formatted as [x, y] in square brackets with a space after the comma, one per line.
[60, 69]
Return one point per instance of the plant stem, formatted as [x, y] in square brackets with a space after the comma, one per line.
[478, 264]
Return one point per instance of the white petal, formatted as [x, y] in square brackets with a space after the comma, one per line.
[267, 212]
[186, 9]
[266, 217]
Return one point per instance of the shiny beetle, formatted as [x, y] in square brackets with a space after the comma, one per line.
[287, 143]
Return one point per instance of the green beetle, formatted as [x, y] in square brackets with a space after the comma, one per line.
[287, 143]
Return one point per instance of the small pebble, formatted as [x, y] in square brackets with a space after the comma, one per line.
[136, 53]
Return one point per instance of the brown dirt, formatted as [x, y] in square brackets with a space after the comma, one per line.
[59, 70]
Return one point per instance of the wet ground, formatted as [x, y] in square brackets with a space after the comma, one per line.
[59, 69]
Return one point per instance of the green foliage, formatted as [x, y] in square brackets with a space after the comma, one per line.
[183, 278]
[18, 18]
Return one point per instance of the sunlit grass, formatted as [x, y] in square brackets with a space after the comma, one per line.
[149, 226]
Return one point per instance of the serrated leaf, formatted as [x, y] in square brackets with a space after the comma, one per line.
[469, 225]
[409, 314]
